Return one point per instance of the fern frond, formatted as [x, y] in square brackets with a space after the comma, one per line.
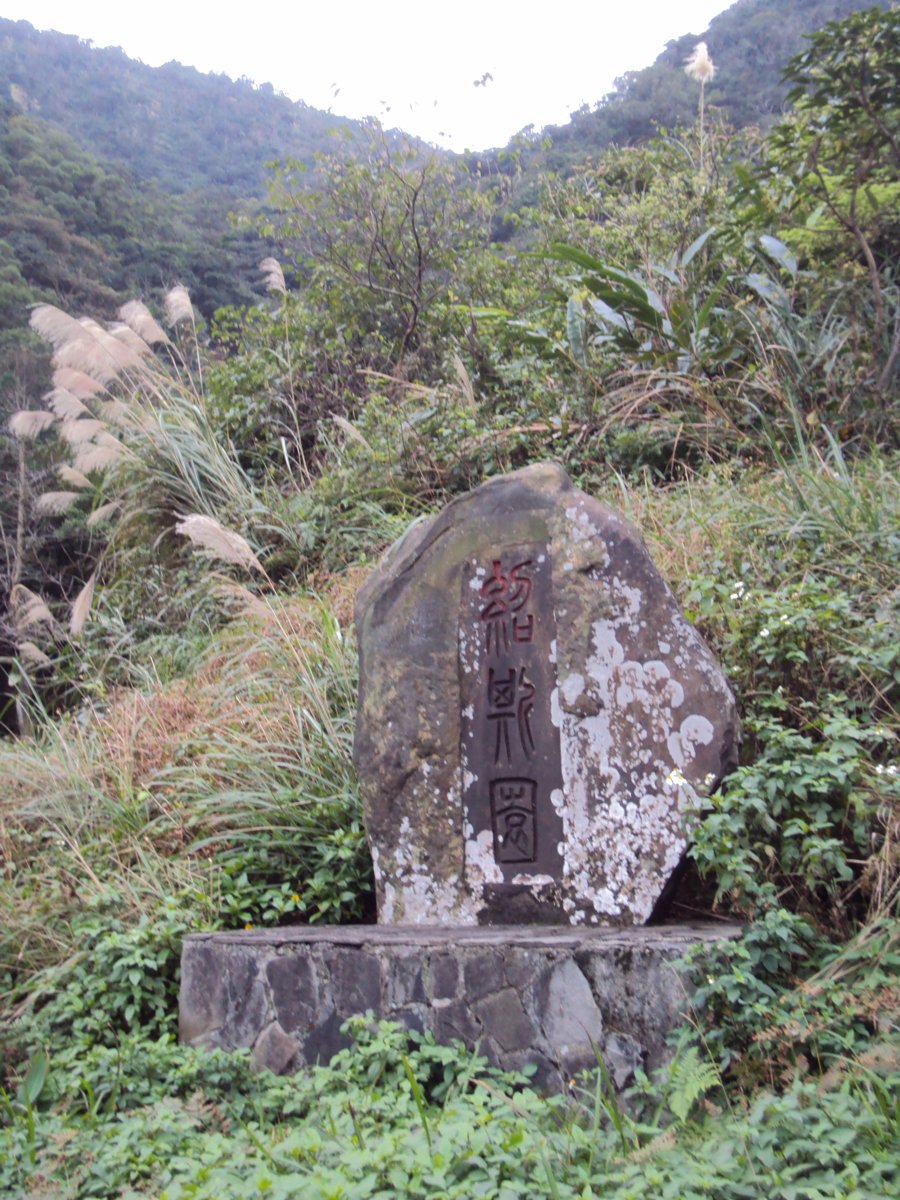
[690, 1078]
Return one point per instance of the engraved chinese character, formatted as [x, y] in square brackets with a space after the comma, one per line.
[513, 820]
[505, 597]
[510, 705]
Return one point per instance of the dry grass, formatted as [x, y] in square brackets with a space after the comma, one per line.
[256, 691]
[139, 797]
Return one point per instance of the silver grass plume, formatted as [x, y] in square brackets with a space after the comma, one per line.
[54, 325]
[56, 504]
[351, 431]
[178, 305]
[125, 334]
[96, 353]
[274, 276]
[107, 439]
[29, 608]
[28, 424]
[207, 534]
[114, 412]
[76, 382]
[464, 381]
[122, 344]
[699, 66]
[69, 475]
[82, 607]
[83, 345]
[96, 458]
[138, 317]
[80, 430]
[701, 69]
[31, 655]
[66, 404]
[249, 604]
[103, 513]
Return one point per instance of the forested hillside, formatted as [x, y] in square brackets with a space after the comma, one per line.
[184, 129]
[704, 331]
[76, 231]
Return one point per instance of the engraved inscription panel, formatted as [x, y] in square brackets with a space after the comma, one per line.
[513, 820]
[510, 747]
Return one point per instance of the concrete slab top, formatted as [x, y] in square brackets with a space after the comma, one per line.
[546, 937]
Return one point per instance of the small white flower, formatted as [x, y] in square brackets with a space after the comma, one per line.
[675, 778]
[764, 633]
[785, 617]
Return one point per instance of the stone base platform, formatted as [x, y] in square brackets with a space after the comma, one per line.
[524, 994]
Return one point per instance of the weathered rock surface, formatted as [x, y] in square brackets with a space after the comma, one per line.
[536, 715]
[539, 995]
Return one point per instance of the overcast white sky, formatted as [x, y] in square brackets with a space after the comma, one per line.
[413, 64]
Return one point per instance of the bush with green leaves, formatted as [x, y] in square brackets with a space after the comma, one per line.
[398, 1115]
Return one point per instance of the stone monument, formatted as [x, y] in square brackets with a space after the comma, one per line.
[536, 716]
[537, 722]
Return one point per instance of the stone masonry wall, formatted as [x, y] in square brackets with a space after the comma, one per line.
[541, 995]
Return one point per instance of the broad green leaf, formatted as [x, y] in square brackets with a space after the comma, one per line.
[768, 289]
[35, 1078]
[601, 269]
[665, 273]
[485, 314]
[697, 245]
[627, 303]
[608, 314]
[779, 253]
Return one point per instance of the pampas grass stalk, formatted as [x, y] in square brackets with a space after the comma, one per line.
[69, 475]
[351, 431]
[273, 275]
[179, 308]
[56, 504]
[86, 347]
[464, 382]
[212, 537]
[248, 602]
[32, 655]
[29, 608]
[28, 424]
[66, 404]
[136, 315]
[700, 67]
[80, 430]
[77, 382]
[178, 305]
[96, 458]
[104, 513]
[274, 281]
[81, 609]
[54, 325]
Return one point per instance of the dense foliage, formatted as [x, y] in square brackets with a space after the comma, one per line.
[704, 331]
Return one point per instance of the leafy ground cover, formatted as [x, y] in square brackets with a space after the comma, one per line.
[195, 515]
